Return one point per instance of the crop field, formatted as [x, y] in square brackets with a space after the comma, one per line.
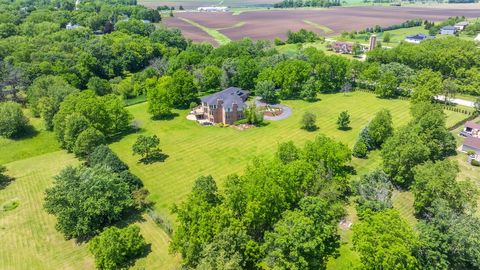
[269, 24]
[193, 4]
[30, 238]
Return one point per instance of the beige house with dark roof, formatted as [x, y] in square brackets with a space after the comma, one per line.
[225, 107]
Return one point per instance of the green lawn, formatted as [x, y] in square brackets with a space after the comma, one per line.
[38, 143]
[31, 241]
[195, 150]
[396, 36]
[290, 49]
[29, 238]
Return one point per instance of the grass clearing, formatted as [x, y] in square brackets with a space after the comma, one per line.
[290, 49]
[325, 29]
[219, 37]
[195, 150]
[237, 25]
[38, 143]
[396, 36]
[30, 240]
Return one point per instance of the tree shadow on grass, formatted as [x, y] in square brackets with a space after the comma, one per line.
[350, 169]
[27, 133]
[310, 129]
[157, 157]
[5, 180]
[344, 128]
[147, 248]
[167, 117]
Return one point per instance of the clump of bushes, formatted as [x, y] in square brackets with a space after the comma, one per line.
[12, 120]
[309, 121]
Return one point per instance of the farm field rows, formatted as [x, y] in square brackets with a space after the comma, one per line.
[31, 240]
[269, 24]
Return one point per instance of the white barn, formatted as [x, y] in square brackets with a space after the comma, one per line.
[213, 9]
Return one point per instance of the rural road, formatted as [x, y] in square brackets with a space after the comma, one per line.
[458, 101]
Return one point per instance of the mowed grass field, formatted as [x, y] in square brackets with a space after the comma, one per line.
[30, 240]
[28, 234]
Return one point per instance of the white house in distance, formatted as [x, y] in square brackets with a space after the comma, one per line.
[213, 9]
[448, 30]
[72, 26]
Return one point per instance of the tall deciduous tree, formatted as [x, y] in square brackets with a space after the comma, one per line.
[437, 181]
[401, 153]
[386, 86]
[427, 85]
[431, 123]
[115, 248]
[385, 241]
[302, 239]
[146, 146]
[266, 90]
[45, 95]
[449, 240]
[380, 128]
[159, 100]
[85, 200]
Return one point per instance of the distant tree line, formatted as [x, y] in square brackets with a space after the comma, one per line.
[458, 63]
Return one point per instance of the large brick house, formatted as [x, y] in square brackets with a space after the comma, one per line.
[225, 107]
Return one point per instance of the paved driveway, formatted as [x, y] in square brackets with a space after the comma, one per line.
[287, 111]
[458, 101]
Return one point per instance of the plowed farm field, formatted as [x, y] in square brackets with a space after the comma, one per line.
[269, 24]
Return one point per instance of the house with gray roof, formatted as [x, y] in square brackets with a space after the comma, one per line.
[448, 30]
[225, 107]
[460, 26]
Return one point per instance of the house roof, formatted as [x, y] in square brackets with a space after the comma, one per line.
[230, 96]
[418, 37]
[471, 124]
[449, 27]
[472, 142]
[464, 23]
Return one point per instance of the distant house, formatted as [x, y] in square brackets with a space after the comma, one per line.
[146, 21]
[471, 144]
[342, 47]
[471, 129]
[472, 141]
[418, 38]
[225, 107]
[448, 30]
[72, 26]
[460, 26]
[213, 9]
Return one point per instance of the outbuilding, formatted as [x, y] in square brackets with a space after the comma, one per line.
[418, 38]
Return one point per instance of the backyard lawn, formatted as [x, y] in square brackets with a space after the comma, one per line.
[30, 238]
